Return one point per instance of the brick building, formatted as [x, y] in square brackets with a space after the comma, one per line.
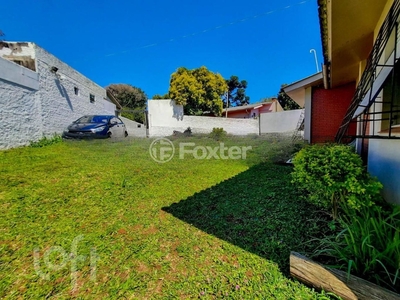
[357, 96]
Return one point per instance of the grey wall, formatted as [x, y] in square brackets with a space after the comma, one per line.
[165, 117]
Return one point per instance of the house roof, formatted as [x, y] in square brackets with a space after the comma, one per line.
[250, 106]
[304, 83]
[323, 24]
[297, 90]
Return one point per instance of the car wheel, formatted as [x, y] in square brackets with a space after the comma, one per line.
[126, 133]
[109, 134]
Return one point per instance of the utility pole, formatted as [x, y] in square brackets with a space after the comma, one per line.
[227, 104]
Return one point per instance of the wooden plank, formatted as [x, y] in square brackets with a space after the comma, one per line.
[335, 281]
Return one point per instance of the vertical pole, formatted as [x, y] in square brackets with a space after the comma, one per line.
[316, 59]
[227, 104]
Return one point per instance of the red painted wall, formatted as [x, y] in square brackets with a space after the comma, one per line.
[238, 114]
[328, 108]
[248, 113]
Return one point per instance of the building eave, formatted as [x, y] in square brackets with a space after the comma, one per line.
[304, 83]
[113, 99]
[323, 25]
[347, 36]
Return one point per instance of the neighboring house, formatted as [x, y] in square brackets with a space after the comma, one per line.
[252, 110]
[324, 109]
[40, 95]
[361, 74]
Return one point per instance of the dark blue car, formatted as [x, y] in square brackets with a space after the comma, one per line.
[97, 126]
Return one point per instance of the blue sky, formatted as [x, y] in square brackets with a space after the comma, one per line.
[142, 43]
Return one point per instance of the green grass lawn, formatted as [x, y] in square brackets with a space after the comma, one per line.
[183, 229]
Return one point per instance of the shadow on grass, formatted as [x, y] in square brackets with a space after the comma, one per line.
[258, 210]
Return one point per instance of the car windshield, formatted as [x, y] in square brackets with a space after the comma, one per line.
[92, 119]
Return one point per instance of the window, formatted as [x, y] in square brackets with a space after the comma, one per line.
[76, 91]
[92, 98]
[390, 107]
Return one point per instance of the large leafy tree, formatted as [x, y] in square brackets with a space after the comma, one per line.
[236, 92]
[285, 101]
[128, 95]
[132, 99]
[198, 90]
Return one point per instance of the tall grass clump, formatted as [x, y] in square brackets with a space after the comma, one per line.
[46, 141]
[368, 244]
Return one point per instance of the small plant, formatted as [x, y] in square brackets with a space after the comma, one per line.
[218, 133]
[188, 132]
[332, 174]
[368, 245]
[46, 141]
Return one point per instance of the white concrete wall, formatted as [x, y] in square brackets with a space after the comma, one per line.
[384, 163]
[14, 73]
[41, 103]
[279, 122]
[165, 117]
[133, 128]
[19, 111]
[60, 105]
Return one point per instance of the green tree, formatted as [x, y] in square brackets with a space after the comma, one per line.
[132, 99]
[158, 97]
[236, 92]
[285, 101]
[198, 90]
[128, 95]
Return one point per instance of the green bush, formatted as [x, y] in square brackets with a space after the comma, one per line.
[46, 141]
[218, 133]
[137, 114]
[332, 174]
[369, 244]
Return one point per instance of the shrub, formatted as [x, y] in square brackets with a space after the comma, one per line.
[369, 244]
[332, 174]
[137, 114]
[218, 133]
[46, 141]
[188, 132]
